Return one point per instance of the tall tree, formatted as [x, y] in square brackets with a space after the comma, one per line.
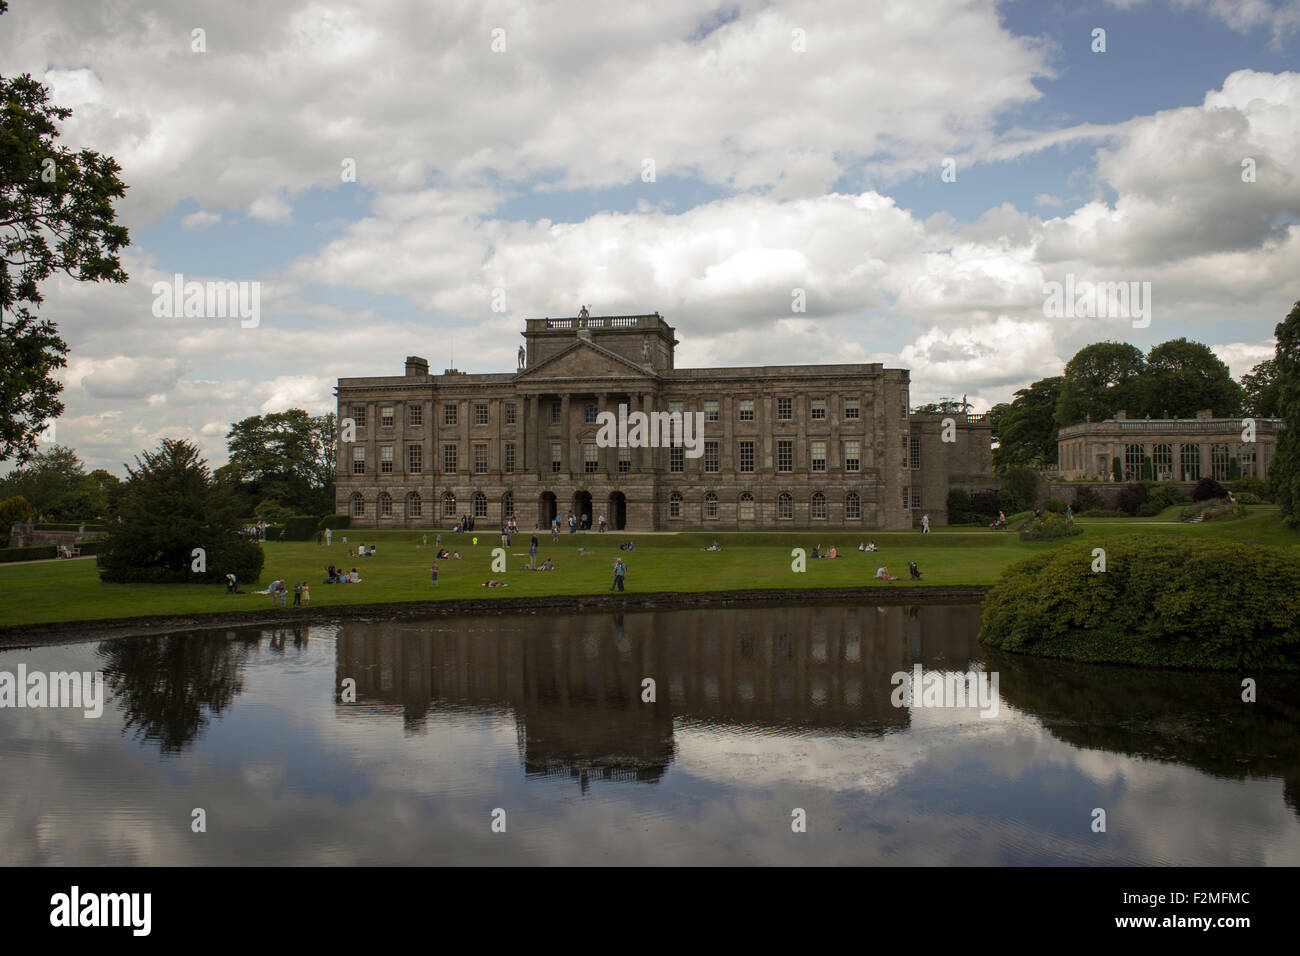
[286, 457]
[1183, 377]
[56, 215]
[170, 507]
[1284, 472]
[47, 479]
[1263, 396]
[1026, 429]
[1100, 380]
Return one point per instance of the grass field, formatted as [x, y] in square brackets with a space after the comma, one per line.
[63, 591]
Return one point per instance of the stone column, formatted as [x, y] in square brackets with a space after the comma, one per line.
[566, 440]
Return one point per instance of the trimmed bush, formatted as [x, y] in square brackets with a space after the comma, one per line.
[1177, 602]
[1207, 488]
[1148, 509]
[1131, 497]
[1055, 505]
[1248, 498]
[301, 528]
[335, 522]
[37, 553]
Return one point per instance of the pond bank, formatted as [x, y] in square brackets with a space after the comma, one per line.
[97, 630]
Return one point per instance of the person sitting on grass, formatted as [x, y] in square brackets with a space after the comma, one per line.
[495, 584]
[815, 553]
[915, 571]
[871, 546]
[833, 553]
[882, 574]
[353, 577]
[547, 565]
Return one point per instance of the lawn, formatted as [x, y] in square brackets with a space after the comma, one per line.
[62, 591]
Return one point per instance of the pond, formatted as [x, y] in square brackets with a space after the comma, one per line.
[765, 735]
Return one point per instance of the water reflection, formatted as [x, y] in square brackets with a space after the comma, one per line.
[755, 710]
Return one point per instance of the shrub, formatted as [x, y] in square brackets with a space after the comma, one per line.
[959, 508]
[1181, 602]
[335, 522]
[1250, 484]
[1148, 471]
[272, 532]
[1148, 509]
[1019, 489]
[1088, 498]
[1131, 497]
[1164, 494]
[1248, 498]
[1048, 527]
[1054, 505]
[37, 553]
[986, 503]
[1207, 488]
[301, 528]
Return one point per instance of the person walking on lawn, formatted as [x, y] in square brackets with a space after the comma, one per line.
[620, 572]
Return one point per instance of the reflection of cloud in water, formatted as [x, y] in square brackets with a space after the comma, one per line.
[761, 720]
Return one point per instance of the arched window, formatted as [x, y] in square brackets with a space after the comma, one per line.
[414, 506]
[819, 505]
[784, 505]
[1219, 462]
[480, 505]
[508, 505]
[1162, 460]
[746, 510]
[1133, 461]
[358, 506]
[852, 506]
[385, 505]
[448, 505]
[711, 505]
[675, 505]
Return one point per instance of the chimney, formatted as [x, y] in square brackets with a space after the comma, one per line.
[1121, 416]
[416, 366]
[1204, 414]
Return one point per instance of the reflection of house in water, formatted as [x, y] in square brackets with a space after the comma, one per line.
[574, 682]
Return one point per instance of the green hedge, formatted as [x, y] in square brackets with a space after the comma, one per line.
[69, 526]
[1173, 602]
[36, 553]
[334, 521]
[300, 528]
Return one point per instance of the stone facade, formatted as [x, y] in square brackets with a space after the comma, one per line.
[792, 446]
[1180, 449]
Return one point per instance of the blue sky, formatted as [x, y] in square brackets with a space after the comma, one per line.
[521, 169]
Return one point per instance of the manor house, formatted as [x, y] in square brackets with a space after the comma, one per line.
[785, 446]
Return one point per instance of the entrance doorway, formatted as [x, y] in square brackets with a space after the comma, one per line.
[582, 507]
[545, 509]
[617, 511]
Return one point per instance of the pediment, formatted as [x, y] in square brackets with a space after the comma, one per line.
[585, 360]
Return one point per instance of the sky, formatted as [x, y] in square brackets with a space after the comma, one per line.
[400, 177]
